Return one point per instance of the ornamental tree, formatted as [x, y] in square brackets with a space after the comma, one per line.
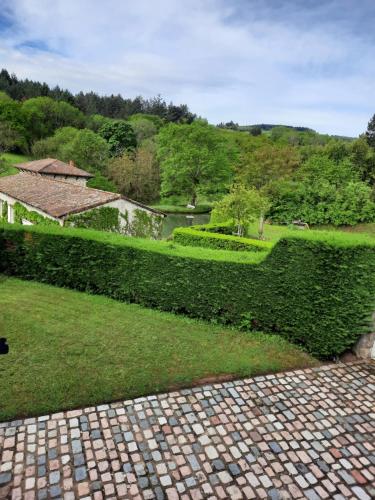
[242, 206]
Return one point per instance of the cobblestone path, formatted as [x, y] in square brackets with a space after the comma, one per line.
[302, 434]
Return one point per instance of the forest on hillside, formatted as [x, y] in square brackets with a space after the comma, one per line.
[91, 103]
[149, 150]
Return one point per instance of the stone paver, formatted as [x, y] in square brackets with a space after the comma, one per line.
[303, 434]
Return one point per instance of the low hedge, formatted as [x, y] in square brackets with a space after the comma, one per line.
[218, 237]
[222, 228]
[315, 289]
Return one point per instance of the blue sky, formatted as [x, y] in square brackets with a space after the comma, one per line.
[297, 62]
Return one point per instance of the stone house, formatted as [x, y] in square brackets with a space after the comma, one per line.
[56, 190]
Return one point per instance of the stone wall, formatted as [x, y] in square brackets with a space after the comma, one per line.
[365, 347]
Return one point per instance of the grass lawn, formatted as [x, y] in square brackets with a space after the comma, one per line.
[71, 349]
[10, 159]
[364, 228]
[273, 232]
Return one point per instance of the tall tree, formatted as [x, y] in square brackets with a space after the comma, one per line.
[370, 133]
[51, 146]
[144, 129]
[194, 159]
[119, 135]
[136, 173]
[43, 116]
[10, 139]
[88, 150]
[267, 164]
[13, 133]
[363, 158]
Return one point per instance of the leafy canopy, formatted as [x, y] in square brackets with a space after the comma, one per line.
[87, 149]
[43, 116]
[193, 159]
[370, 133]
[136, 173]
[323, 192]
[267, 164]
[120, 136]
[241, 207]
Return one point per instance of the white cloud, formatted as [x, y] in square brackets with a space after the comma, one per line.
[267, 68]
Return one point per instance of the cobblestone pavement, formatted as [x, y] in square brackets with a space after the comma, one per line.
[303, 434]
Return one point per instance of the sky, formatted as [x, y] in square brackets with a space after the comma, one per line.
[296, 62]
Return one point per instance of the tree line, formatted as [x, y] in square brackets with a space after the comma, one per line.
[91, 103]
[284, 173]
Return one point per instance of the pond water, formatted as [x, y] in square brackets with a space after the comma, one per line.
[180, 220]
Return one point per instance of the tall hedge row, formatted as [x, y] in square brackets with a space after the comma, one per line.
[316, 290]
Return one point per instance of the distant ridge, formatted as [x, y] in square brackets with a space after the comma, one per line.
[269, 126]
[266, 127]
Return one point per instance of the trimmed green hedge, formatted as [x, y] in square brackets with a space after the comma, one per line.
[212, 236]
[216, 227]
[316, 289]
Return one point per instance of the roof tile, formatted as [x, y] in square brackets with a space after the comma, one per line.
[53, 166]
[56, 198]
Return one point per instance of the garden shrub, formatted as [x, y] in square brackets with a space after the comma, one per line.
[217, 236]
[217, 227]
[316, 289]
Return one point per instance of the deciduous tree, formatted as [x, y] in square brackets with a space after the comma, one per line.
[193, 159]
[120, 136]
[136, 173]
[242, 206]
[43, 116]
[88, 150]
[370, 133]
[267, 164]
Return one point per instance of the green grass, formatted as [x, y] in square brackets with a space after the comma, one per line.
[273, 232]
[367, 228]
[71, 349]
[10, 159]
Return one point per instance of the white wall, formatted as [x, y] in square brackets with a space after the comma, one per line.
[121, 204]
[127, 206]
[11, 201]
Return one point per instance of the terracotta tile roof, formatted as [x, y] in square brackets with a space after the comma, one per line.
[53, 166]
[53, 197]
